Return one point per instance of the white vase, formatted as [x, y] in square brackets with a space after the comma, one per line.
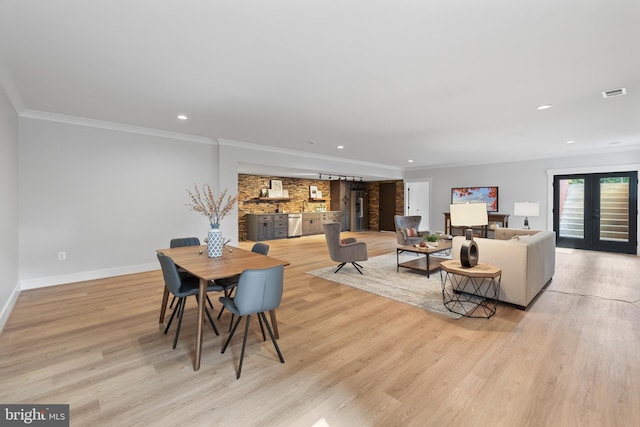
[214, 241]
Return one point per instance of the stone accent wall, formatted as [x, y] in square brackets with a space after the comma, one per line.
[250, 186]
[373, 191]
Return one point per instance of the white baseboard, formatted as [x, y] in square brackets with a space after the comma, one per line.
[5, 311]
[43, 282]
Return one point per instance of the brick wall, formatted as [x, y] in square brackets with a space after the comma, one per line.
[373, 192]
[249, 187]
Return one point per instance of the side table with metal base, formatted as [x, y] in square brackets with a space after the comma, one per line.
[466, 291]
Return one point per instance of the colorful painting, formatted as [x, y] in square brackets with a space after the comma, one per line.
[488, 195]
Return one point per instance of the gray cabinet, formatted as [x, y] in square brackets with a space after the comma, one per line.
[312, 221]
[266, 226]
[259, 227]
[280, 226]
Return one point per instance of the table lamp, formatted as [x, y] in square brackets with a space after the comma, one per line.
[526, 210]
[469, 215]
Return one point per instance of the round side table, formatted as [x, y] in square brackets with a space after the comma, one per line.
[470, 292]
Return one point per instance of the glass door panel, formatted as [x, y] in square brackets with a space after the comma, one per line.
[571, 219]
[596, 211]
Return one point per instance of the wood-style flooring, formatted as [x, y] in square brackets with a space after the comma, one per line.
[352, 358]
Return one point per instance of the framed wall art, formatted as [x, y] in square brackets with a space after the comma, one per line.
[488, 195]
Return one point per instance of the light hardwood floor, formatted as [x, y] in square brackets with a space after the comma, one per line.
[352, 358]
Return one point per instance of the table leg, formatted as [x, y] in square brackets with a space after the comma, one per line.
[274, 323]
[428, 274]
[202, 296]
[163, 305]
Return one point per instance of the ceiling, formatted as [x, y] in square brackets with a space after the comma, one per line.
[433, 81]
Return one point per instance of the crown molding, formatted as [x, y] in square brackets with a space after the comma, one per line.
[100, 124]
[8, 85]
[271, 149]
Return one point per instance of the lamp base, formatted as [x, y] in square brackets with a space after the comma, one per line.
[526, 223]
[469, 254]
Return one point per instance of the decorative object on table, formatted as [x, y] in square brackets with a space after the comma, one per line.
[215, 209]
[469, 215]
[487, 195]
[432, 239]
[214, 241]
[526, 210]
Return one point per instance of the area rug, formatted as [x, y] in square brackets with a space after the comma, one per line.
[380, 277]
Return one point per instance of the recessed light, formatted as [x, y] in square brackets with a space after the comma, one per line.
[182, 117]
[340, 147]
[410, 161]
[614, 142]
[545, 107]
[311, 141]
[570, 142]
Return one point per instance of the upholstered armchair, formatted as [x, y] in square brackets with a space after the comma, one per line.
[345, 250]
[407, 233]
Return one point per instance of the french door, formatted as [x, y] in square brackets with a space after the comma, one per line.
[596, 211]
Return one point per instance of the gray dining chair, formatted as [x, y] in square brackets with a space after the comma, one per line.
[229, 283]
[179, 242]
[257, 291]
[181, 288]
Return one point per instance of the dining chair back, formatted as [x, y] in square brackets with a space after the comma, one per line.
[257, 291]
[181, 288]
[229, 283]
[184, 241]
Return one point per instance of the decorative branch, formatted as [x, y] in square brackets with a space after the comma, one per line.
[213, 208]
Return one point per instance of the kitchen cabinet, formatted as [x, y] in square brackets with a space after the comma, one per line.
[267, 226]
[280, 226]
[312, 221]
[276, 226]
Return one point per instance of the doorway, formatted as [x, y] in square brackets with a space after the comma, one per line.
[387, 208]
[416, 198]
[596, 211]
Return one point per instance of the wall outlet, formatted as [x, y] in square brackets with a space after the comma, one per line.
[62, 256]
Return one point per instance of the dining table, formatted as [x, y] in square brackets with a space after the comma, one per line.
[195, 261]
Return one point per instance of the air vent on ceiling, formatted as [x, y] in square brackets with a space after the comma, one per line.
[614, 92]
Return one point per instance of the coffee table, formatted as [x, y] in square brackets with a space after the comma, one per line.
[426, 264]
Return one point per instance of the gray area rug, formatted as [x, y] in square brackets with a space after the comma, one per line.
[380, 277]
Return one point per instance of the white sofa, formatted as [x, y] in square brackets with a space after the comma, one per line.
[527, 259]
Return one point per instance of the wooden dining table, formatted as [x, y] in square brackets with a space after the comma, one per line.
[233, 261]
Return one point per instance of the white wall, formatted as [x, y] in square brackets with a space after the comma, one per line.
[108, 198]
[9, 275]
[517, 181]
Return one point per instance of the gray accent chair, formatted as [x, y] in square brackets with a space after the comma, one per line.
[344, 250]
[408, 222]
[257, 291]
[181, 288]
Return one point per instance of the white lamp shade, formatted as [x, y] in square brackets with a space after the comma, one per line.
[468, 214]
[526, 209]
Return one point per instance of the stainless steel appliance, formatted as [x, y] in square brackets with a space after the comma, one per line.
[295, 225]
[357, 217]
